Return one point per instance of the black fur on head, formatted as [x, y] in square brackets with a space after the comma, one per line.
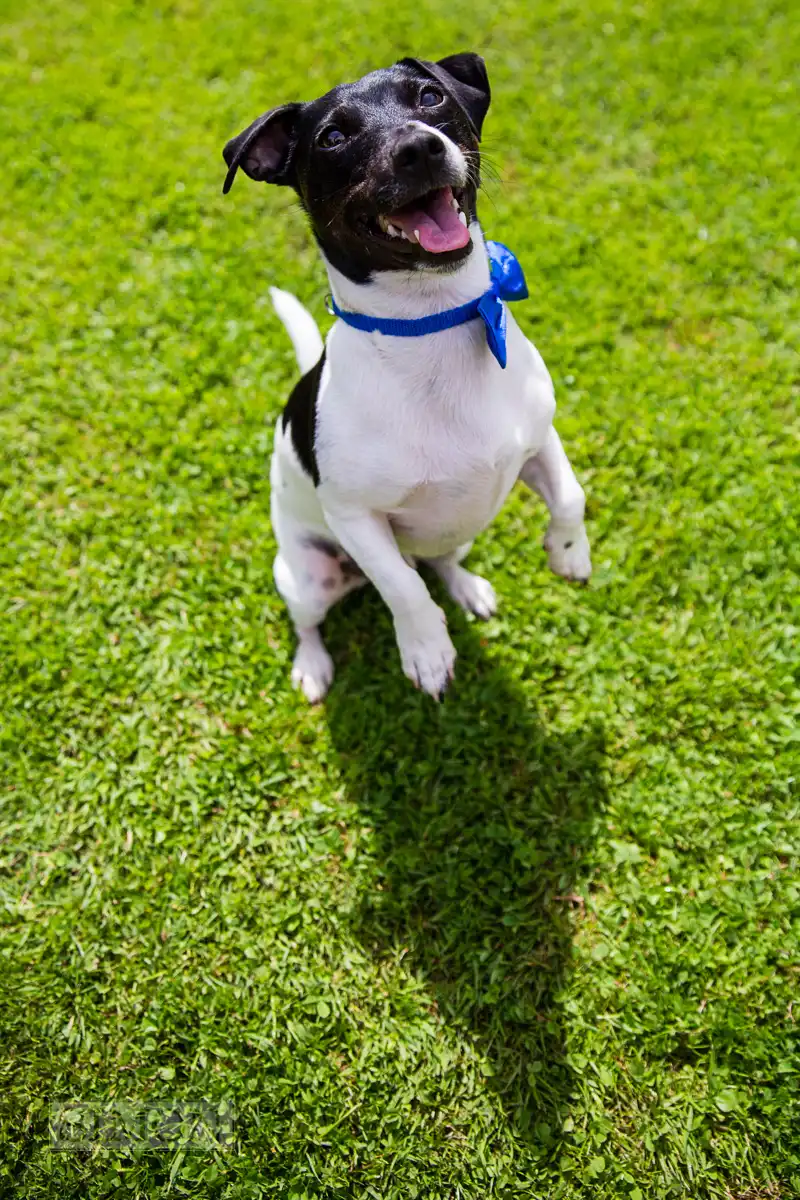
[401, 140]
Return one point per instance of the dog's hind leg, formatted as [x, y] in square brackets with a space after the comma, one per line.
[472, 592]
[312, 669]
[311, 576]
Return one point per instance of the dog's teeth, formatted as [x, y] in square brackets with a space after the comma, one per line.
[454, 203]
[386, 225]
[404, 235]
[462, 216]
[416, 234]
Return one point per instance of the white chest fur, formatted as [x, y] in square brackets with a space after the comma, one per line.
[431, 430]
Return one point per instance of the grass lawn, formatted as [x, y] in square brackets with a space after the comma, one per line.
[544, 939]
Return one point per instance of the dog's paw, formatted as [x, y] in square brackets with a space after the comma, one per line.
[568, 552]
[472, 592]
[312, 670]
[427, 654]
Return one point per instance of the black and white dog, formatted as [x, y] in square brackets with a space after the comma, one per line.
[411, 425]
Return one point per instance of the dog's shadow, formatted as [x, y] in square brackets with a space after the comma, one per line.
[484, 826]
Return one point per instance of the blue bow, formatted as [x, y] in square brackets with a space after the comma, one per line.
[507, 283]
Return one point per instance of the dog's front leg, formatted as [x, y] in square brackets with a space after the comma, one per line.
[550, 474]
[426, 652]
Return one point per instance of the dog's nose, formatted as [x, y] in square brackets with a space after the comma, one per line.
[419, 148]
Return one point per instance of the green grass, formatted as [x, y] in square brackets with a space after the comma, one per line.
[541, 941]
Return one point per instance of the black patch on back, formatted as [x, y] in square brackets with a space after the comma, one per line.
[301, 413]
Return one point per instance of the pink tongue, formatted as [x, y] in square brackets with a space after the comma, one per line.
[437, 224]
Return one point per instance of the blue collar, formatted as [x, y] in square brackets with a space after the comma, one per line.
[508, 283]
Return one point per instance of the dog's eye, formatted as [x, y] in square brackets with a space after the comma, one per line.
[331, 137]
[429, 97]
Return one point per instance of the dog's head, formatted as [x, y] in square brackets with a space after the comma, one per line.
[386, 168]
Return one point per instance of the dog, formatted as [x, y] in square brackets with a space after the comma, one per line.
[411, 424]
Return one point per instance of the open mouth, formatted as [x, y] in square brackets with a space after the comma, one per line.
[436, 221]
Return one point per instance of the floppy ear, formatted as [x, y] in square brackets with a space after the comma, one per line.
[464, 77]
[470, 83]
[264, 149]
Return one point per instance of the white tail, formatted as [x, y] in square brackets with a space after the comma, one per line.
[301, 327]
